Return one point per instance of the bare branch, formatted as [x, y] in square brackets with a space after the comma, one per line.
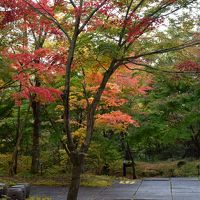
[72, 2]
[7, 84]
[100, 64]
[157, 69]
[138, 5]
[91, 15]
[162, 51]
[124, 23]
[65, 147]
[178, 8]
[137, 69]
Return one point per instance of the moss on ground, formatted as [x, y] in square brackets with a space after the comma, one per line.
[90, 180]
[87, 180]
[53, 175]
[187, 168]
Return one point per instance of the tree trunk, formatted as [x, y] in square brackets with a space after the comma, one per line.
[75, 181]
[132, 160]
[195, 141]
[133, 171]
[13, 162]
[196, 149]
[36, 137]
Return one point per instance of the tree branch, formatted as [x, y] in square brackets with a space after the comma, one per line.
[91, 15]
[124, 23]
[56, 130]
[84, 88]
[160, 8]
[162, 51]
[157, 69]
[92, 108]
[49, 17]
[73, 4]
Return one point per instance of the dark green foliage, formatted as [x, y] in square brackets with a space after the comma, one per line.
[104, 150]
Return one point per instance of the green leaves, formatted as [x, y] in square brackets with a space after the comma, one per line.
[109, 49]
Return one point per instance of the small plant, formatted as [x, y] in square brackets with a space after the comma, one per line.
[181, 163]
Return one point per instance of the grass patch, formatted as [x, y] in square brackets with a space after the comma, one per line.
[36, 180]
[168, 168]
[87, 180]
[96, 181]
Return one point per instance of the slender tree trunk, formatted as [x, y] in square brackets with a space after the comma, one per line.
[15, 155]
[195, 141]
[18, 140]
[78, 162]
[196, 147]
[36, 107]
[13, 163]
[132, 160]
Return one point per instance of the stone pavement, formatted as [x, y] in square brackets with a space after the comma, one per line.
[146, 189]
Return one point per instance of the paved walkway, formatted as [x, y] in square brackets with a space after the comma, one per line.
[146, 189]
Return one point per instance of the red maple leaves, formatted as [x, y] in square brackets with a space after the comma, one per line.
[121, 85]
[41, 63]
[116, 117]
[189, 66]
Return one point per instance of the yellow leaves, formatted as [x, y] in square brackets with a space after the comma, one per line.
[50, 44]
[64, 138]
[2, 145]
[59, 120]
[61, 88]
[76, 101]
[59, 16]
[137, 107]
[1, 82]
[73, 102]
[57, 45]
[79, 135]
[59, 107]
[85, 53]
[117, 128]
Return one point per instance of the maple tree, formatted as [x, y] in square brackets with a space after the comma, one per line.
[33, 65]
[121, 86]
[98, 36]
